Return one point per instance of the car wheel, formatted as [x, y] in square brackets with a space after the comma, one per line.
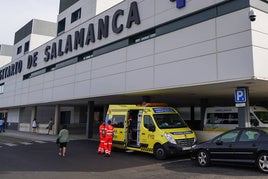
[159, 152]
[262, 162]
[203, 158]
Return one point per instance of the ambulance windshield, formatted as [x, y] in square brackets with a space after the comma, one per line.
[169, 121]
[262, 115]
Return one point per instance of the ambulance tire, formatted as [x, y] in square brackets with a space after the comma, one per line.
[159, 152]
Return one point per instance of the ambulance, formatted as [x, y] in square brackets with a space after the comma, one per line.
[153, 128]
[226, 118]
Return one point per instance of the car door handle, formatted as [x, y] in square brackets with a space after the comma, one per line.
[142, 133]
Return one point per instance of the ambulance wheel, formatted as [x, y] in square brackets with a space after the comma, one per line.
[159, 152]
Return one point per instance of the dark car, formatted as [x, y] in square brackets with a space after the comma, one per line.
[241, 145]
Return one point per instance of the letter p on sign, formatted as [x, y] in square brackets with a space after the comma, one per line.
[240, 95]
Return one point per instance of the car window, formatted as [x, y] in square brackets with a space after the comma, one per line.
[228, 137]
[249, 135]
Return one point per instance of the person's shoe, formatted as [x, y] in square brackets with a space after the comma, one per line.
[59, 154]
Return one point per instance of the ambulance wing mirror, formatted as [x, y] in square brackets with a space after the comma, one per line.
[151, 128]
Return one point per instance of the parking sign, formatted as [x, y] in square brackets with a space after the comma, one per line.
[240, 95]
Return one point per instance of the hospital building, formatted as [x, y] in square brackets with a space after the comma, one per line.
[190, 54]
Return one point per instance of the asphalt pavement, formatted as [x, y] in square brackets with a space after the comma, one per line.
[38, 136]
[41, 161]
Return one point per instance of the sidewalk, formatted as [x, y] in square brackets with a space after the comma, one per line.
[37, 136]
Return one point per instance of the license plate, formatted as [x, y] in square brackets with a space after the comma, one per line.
[186, 148]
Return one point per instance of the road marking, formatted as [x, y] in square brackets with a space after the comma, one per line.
[10, 144]
[26, 143]
[40, 142]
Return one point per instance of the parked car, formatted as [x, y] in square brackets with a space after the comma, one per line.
[241, 145]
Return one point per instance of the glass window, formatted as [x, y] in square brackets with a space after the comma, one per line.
[76, 15]
[66, 62]
[118, 121]
[19, 49]
[2, 88]
[262, 116]
[165, 121]
[148, 121]
[222, 118]
[61, 26]
[227, 137]
[143, 36]
[39, 72]
[26, 46]
[249, 135]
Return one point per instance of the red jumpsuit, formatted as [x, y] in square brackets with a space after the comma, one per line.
[102, 138]
[109, 139]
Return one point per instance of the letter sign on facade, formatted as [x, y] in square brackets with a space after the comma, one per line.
[179, 3]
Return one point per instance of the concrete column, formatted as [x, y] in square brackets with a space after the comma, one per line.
[203, 105]
[33, 116]
[192, 113]
[90, 118]
[56, 119]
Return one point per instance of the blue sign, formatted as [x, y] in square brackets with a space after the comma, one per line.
[179, 3]
[240, 95]
[162, 110]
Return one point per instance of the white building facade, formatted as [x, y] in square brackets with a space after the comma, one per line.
[5, 54]
[186, 53]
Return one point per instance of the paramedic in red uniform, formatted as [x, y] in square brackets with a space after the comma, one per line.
[108, 139]
[102, 138]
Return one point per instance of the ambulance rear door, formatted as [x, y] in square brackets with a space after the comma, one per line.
[120, 131]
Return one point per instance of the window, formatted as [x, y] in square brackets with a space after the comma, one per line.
[143, 36]
[76, 15]
[118, 121]
[19, 49]
[39, 72]
[66, 63]
[262, 115]
[148, 122]
[222, 118]
[227, 137]
[2, 88]
[61, 26]
[169, 121]
[26, 46]
[249, 135]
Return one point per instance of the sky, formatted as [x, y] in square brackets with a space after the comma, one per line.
[14, 14]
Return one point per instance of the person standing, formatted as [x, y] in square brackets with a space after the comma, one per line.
[1, 125]
[4, 124]
[50, 125]
[63, 140]
[34, 125]
[102, 138]
[109, 129]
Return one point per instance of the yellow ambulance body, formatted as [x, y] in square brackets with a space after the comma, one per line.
[153, 128]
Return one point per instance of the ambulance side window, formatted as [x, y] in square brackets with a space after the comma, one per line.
[118, 121]
[147, 121]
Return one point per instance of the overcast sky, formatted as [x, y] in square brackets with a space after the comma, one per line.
[14, 14]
